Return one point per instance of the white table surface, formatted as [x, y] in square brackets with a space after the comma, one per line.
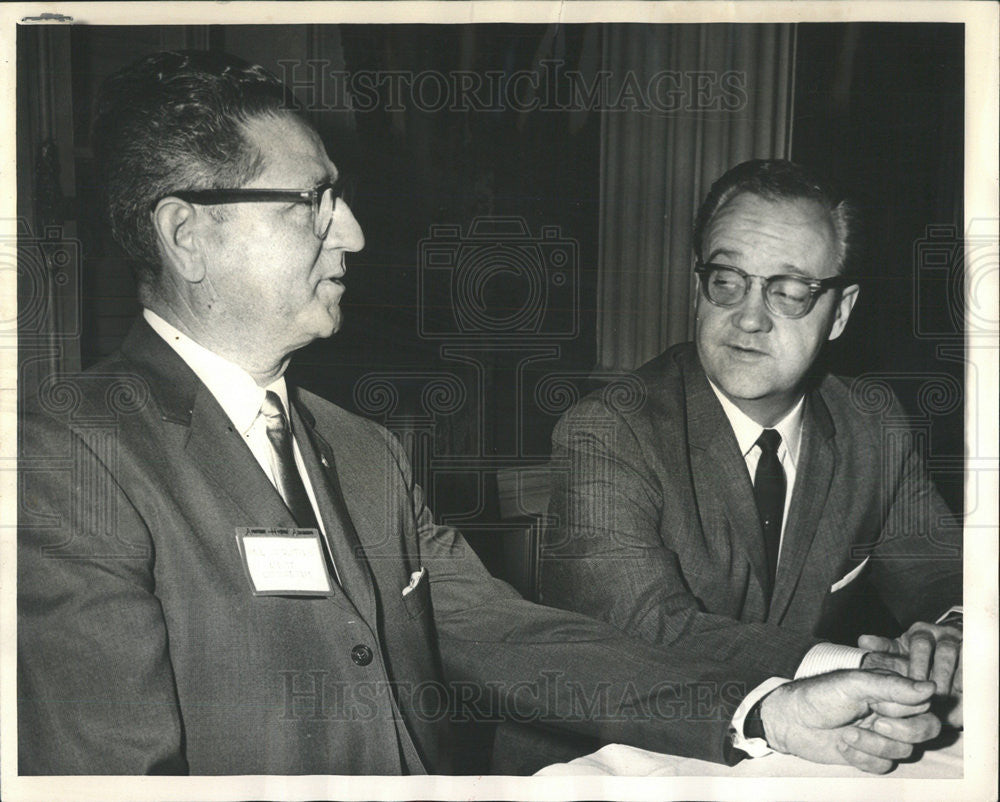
[619, 760]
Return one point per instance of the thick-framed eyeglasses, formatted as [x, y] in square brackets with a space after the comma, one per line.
[784, 295]
[322, 199]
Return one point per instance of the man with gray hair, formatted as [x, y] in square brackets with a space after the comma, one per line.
[238, 577]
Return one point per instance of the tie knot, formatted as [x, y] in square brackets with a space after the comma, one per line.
[274, 412]
[769, 441]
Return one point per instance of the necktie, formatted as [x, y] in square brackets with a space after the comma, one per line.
[769, 492]
[286, 474]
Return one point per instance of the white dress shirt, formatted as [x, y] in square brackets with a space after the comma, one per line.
[822, 657]
[239, 396]
[747, 432]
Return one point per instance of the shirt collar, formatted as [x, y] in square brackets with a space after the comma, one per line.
[747, 430]
[237, 393]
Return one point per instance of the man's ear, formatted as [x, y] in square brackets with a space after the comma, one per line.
[848, 297]
[176, 223]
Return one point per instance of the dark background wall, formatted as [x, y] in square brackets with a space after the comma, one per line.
[880, 106]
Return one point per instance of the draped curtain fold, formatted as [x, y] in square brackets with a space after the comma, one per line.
[48, 252]
[733, 88]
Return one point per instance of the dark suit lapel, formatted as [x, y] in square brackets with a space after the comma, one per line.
[813, 475]
[348, 553]
[226, 460]
[207, 435]
[209, 439]
[719, 472]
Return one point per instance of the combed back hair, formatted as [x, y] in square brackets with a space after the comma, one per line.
[175, 121]
[781, 180]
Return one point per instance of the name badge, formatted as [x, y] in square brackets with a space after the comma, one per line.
[284, 562]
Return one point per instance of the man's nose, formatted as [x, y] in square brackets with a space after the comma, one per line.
[345, 232]
[752, 313]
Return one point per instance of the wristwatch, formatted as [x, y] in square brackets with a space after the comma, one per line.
[753, 724]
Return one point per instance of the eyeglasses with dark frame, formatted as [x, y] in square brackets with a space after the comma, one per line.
[787, 296]
[314, 197]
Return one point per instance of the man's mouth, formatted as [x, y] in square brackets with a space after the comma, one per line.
[745, 350]
[335, 284]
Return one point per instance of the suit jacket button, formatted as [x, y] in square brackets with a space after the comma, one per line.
[361, 655]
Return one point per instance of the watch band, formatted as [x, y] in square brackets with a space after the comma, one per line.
[753, 724]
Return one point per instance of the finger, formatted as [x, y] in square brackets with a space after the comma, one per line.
[863, 760]
[880, 688]
[956, 680]
[875, 643]
[895, 710]
[876, 745]
[874, 661]
[911, 730]
[937, 630]
[921, 650]
[945, 661]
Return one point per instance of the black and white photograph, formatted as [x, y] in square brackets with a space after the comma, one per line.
[499, 400]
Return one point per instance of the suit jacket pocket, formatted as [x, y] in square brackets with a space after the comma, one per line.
[850, 576]
[417, 595]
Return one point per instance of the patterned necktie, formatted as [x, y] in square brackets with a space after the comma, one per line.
[769, 492]
[286, 474]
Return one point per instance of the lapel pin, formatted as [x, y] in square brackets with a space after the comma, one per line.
[325, 463]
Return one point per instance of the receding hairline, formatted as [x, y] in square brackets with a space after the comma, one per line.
[250, 136]
[836, 216]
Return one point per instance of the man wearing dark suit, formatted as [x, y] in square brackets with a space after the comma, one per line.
[221, 574]
[746, 503]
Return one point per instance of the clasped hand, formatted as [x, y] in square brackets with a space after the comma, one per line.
[868, 719]
[924, 652]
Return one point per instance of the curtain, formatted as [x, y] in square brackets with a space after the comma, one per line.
[48, 253]
[714, 95]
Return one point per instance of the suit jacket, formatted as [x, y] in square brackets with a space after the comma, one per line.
[142, 650]
[657, 530]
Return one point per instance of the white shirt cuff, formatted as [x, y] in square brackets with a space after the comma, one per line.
[825, 657]
[753, 747]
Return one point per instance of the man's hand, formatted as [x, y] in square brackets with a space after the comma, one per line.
[867, 719]
[924, 651]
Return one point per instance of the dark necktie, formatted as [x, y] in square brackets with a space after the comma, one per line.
[286, 474]
[769, 492]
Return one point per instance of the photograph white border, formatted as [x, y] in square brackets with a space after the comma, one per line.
[981, 203]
